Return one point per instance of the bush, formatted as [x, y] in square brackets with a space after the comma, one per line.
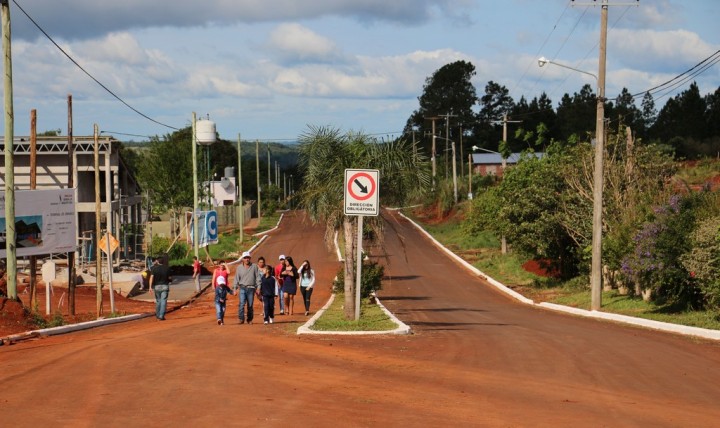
[160, 245]
[703, 260]
[370, 279]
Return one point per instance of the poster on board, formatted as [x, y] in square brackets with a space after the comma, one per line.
[44, 222]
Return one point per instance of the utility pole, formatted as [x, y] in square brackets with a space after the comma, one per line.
[596, 263]
[432, 155]
[33, 186]
[257, 173]
[269, 175]
[505, 121]
[447, 139]
[71, 184]
[10, 235]
[98, 231]
[239, 184]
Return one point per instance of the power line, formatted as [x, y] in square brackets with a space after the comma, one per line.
[87, 73]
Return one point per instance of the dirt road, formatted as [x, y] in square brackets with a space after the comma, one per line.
[476, 358]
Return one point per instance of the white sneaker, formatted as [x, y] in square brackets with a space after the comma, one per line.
[271, 320]
[265, 322]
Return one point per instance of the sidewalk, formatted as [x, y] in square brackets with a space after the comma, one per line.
[182, 289]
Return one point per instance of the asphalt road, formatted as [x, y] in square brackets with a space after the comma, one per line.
[477, 358]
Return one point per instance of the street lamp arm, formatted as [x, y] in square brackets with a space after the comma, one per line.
[486, 150]
[542, 61]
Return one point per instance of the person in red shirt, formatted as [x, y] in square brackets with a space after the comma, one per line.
[196, 272]
[219, 272]
[279, 268]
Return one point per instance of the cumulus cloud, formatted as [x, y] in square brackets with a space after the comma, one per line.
[674, 50]
[295, 43]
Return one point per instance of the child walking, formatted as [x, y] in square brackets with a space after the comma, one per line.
[268, 290]
[221, 292]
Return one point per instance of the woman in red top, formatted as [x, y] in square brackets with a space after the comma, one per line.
[220, 271]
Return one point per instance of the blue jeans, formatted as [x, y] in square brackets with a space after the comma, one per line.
[247, 294]
[161, 296]
[280, 299]
[220, 310]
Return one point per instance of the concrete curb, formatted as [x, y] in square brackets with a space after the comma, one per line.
[71, 327]
[306, 328]
[253, 248]
[270, 230]
[625, 319]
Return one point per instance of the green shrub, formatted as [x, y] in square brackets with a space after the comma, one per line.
[160, 246]
[371, 279]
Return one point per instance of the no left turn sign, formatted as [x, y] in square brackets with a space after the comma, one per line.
[361, 192]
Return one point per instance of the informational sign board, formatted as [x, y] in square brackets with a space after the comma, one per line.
[207, 228]
[44, 222]
[362, 192]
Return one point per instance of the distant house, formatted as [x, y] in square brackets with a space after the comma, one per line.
[493, 163]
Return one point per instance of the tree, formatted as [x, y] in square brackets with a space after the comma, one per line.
[325, 153]
[493, 106]
[448, 90]
[649, 114]
[576, 115]
[167, 174]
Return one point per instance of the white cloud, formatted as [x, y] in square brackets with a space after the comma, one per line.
[674, 50]
[295, 43]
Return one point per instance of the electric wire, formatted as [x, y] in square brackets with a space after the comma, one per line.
[87, 73]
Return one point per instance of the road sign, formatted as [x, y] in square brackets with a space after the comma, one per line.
[211, 226]
[362, 192]
[113, 243]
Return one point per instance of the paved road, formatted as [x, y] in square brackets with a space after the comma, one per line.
[476, 358]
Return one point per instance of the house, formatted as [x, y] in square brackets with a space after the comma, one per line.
[120, 195]
[494, 164]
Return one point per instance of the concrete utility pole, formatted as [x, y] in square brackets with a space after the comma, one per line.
[239, 198]
[432, 154]
[447, 139]
[196, 241]
[596, 264]
[596, 268]
[98, 230]
[269, 175]
[257, 174]
[10, 235]
[505, 121]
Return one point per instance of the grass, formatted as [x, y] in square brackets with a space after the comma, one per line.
[636, 307]
[372, 318]
[483, 253]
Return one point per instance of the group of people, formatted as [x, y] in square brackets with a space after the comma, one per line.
[268, 283]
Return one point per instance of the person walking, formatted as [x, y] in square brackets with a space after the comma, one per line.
[279, 268]
[160, 279]
[221, 292]
[307, 282]
[261, 273]
[196, 272]
[246, 281]
[220, 271]
[268, 285]
[290, 277]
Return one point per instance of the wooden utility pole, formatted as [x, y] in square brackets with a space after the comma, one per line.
[432, 154]
[505, 121]
[33, 186]
[10, 235]
[269, 175]
[71, 185]
[447, 140]
[98, 230]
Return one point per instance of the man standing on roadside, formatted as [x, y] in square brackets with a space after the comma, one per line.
[247, 280]
[160, 283]
[196, 272]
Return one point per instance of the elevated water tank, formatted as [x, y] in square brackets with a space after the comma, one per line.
[205, 132]
[229, 172]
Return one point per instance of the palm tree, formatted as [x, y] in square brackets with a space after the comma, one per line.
[325, 153]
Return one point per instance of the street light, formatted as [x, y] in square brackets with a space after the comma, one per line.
[596, 264]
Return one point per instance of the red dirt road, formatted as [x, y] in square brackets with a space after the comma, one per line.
[476, 358]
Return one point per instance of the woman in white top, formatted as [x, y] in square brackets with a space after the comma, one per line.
[307, 281]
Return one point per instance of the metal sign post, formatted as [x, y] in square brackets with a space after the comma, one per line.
[361, 199]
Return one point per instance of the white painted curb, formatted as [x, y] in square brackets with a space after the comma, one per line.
[270, 230]
[625, 319]
[306, 328]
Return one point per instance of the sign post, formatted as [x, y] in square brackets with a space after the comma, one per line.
[361, 199]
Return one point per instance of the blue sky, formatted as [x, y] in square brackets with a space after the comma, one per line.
[269, 68]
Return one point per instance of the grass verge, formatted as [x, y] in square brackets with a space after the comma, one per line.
[372, 318]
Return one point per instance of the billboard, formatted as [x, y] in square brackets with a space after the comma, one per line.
[44, 222]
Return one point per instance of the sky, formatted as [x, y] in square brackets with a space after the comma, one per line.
[268, 69]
